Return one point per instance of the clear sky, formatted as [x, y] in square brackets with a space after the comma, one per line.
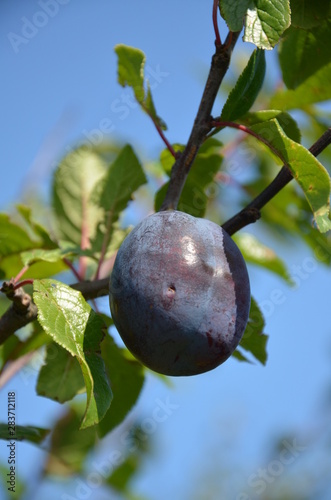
[58, 85]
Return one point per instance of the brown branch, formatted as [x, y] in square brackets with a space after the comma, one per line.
[252, 212]
[202, 124]
[23, 310]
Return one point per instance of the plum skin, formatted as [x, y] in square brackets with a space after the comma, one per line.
[179, 293]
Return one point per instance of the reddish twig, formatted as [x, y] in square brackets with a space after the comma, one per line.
[22, 283]
[218, 40]
[160, 131]
[72, 268]
[247, 130]
[20, 274]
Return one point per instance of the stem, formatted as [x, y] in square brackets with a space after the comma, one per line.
[164, 139]
[20, 274]
[218, 40]
[247, 130]
[202, 123]
[72, 268]
[23, 283]
[251, 213]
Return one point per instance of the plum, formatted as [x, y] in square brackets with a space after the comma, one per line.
[179, 293]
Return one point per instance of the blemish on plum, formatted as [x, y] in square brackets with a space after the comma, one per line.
[171, 291]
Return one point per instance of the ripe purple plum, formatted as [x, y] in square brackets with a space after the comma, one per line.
[179, 293]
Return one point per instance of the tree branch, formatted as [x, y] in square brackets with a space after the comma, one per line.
[23, 310]
[202, 123]
[251, 213]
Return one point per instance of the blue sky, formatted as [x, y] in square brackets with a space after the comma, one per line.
[58, 87]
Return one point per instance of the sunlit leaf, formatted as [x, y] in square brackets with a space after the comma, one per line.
[264, 21]
[130, 71]
[69, 320]
[73, 182]
[113, 193]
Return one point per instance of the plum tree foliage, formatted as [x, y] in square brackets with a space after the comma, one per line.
[287, 191]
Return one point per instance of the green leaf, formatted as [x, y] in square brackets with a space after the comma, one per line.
[289, 216]
[314, 89]
[302, 53]
[254, 340]
[13, 239]
[200, 180]
[130, 69]
[60, 378]
[285, 120]
[123, 475]
[247, 88]
[73, 183]
[306, 169]
[234, 13]
[24, 433]
[55, 255]
[167, 160]
[69, 445]
[127, 379]
[131, 64]
[38, 229]
[15, 348]
[256, 253]
[264, 20]
[240, 357]
[114, 191]
[307, 13]
[69, 320]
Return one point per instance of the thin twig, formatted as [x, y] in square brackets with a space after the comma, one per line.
[218, 40]
[160, 131]
[72, 268]
[20, 274]
[252, 212]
